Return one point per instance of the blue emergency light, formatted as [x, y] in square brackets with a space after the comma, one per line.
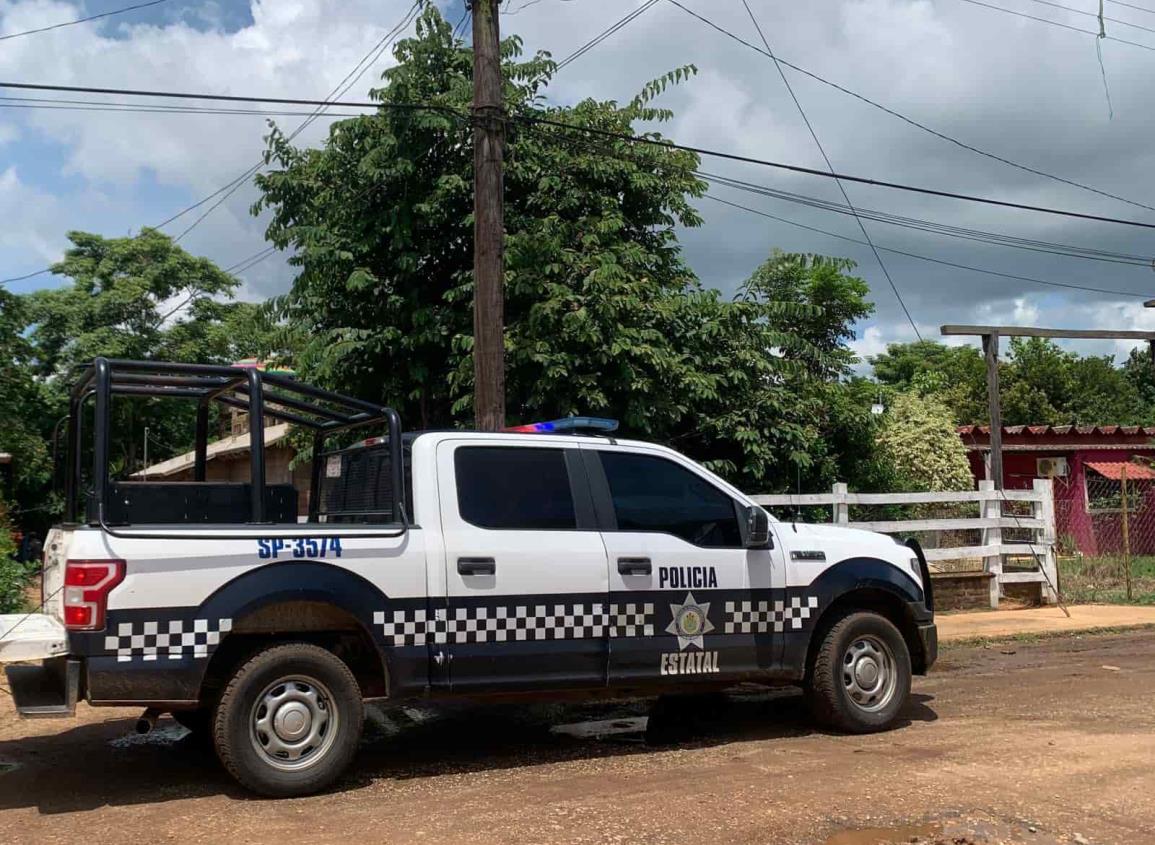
[567, 425]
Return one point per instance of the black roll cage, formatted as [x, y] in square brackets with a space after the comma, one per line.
[104, 378]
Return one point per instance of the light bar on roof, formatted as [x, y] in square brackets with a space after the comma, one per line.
[566, 425]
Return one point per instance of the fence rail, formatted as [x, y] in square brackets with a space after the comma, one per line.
[994, 516]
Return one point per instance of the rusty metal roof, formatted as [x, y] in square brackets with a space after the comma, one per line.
[1062, 430]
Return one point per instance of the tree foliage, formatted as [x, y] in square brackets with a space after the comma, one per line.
[1041, 383]
[920, 442]
[602, 315]
[142, 297]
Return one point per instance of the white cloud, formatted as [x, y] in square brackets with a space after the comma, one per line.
[1018, 88]
[29, 217]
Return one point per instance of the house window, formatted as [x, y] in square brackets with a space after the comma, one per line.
[1104, 491]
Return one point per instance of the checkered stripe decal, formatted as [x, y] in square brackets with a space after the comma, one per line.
[760, 617]
[172, 640]
[552, 621]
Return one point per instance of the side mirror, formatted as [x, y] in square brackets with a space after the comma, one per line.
[758, 529]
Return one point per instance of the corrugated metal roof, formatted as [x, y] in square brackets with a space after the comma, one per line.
[1114, 469]
[1041, 430]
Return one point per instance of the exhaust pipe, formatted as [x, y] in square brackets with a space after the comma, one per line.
[147, 720]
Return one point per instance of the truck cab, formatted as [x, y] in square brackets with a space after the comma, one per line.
[548, 561]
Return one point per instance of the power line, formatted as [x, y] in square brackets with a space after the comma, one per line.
[229, 188]
[909, 120]
[185, 95]
[830, 167]
[621, 23]
[637, 139]
[810, 171]
[1084, 12]
[928, 258]
[82, 20]
[931, 227]
[1056, 23]
[1133, 6]
[51, 104]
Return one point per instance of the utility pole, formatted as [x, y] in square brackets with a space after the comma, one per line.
[488, 220]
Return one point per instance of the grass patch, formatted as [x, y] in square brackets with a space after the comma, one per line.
[1102, 580]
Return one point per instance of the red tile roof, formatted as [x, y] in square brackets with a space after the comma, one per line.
[1114, 470]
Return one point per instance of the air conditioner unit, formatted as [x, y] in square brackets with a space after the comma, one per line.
[1051, 467]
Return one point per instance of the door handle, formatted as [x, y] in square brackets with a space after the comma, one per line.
[476, 566]
[635, 566]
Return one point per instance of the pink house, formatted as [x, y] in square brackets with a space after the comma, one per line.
[1087, 465]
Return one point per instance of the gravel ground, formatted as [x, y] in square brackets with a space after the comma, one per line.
[1047, 742]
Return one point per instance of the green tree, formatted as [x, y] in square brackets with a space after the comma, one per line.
[602, 315]
[142, 297]
[956, 374]
[919, 440]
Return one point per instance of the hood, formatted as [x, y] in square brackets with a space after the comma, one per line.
[839, 542]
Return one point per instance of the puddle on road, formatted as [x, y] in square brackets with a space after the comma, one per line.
[7, 766]
[602, 728]
[160, 736]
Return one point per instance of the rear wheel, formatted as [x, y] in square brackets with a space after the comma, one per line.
[860, 679]
[289, 720]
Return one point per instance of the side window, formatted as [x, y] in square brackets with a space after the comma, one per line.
[514, 488]
[654, 494]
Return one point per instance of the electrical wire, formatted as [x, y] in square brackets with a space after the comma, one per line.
[1084, 12]
[1133, 6]
[943, 262]
[830, 167]
[50, 104]
[82, 20]
[340, 90]
[1056, 23]
[223, 193]
[932, 227]
[637, 139]
[613, 28]
[905, 118]
[810, 171]
[591, 145]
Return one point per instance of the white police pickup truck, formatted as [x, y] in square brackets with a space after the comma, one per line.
[432, 564]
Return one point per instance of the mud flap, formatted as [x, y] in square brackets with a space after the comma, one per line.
[45, 691]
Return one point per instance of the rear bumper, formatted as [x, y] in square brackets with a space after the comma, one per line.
[48, 690]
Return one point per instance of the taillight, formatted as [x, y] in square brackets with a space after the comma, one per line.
[87, 584]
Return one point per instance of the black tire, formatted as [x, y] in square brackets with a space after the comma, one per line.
[839, 688]
[303, 678]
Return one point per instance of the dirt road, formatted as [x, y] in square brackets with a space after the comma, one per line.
[1052, 743]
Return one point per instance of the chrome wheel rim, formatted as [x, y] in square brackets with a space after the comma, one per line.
[293, 724]
[869, 673]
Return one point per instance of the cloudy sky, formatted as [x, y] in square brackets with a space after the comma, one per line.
[1014, 87]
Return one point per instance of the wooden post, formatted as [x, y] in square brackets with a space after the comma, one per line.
[488, 220]
[992, 508]
[991, 352]
[1044, 508]
[1125, 512]
[841, 509]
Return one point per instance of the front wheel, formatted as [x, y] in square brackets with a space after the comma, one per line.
[289, 720]
[860, 679]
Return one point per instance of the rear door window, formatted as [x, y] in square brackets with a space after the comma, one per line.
[514, 488]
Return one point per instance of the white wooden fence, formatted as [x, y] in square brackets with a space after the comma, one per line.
[991, 522]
